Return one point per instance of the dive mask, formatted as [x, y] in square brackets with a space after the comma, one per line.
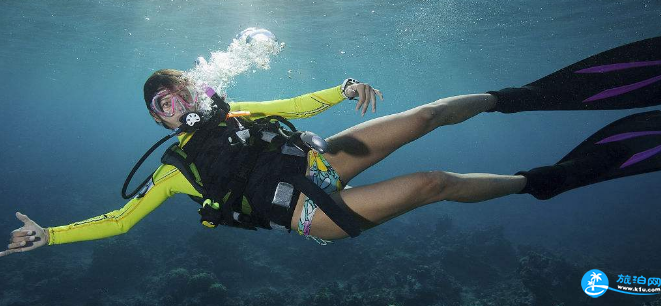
[165, 103]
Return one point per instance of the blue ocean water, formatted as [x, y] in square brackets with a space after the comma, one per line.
[75, 121]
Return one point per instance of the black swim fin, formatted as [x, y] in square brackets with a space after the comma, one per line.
[629, 146]
[628, 76]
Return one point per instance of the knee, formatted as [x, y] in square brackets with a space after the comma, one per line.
[438, 186]
[434, 115]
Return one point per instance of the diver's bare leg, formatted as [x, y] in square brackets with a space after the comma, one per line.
[359, 147]
[380, 202]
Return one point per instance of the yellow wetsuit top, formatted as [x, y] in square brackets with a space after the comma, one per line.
[167, 180]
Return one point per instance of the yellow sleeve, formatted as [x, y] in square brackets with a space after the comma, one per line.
[166, 181]
[303, 106]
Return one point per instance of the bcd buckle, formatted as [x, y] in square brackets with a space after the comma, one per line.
[210, 214]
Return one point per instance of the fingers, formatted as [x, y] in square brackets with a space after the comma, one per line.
[20, 233]
[21, 240]
[7, 252]
[18, 247]
[366, 92]
[367, 96]
[24, 238]
[23, 218]
[361, 96]
[373, 100]
[378, 92]
[25, 245]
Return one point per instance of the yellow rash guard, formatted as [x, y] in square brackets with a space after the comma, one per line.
[167, 180]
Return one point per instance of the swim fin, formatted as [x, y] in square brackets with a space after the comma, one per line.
[628, 146]
[628, 76]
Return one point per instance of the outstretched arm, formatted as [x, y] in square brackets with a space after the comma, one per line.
[311, 104]
[167, 181]
[160, 188]
[303, 106]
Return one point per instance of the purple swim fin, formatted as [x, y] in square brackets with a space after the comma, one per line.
[625, 77]
[629, 146]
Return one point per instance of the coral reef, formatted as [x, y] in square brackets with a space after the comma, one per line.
[391, 266]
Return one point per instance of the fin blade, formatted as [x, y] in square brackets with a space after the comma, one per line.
[613, 92]
[619, 66]
[640, 156]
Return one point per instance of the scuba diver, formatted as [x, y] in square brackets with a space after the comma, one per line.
[247, 165]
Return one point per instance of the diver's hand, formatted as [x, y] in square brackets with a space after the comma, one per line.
[29, 237]
[366, 96]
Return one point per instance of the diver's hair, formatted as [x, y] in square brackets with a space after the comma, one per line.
[160, 79]
[164, 78]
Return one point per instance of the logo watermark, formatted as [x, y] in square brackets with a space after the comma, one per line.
[595, 284]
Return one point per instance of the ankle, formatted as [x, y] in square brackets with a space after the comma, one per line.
[490, 102]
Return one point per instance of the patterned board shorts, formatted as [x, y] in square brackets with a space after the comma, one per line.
[324, 176]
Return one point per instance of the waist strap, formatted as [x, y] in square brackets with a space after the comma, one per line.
[339, 213]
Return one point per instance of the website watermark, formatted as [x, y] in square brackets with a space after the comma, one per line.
[595, 284]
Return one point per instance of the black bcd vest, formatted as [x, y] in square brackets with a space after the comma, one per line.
[242, 173]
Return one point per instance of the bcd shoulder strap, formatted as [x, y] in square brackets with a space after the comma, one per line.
[176, 157]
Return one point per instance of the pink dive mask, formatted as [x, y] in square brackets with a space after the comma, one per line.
[165, 103]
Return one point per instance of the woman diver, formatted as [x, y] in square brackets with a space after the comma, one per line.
[246, 171]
